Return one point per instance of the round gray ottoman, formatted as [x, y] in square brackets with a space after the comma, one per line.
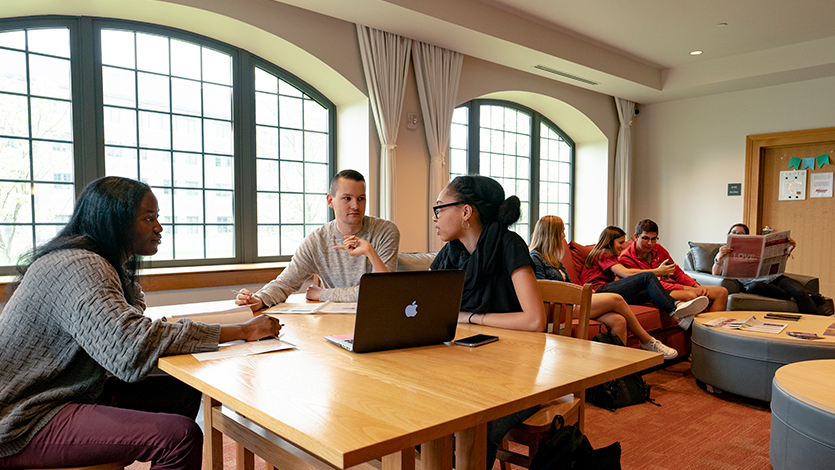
[743, 362]
[803, 416]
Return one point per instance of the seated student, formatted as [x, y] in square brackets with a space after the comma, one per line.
[77, 348]
[647, 253]
[776, 287]
[609, 307]
[636, 286]
[333, 251]
[500, 288]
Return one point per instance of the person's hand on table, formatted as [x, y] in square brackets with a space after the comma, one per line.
[246, 297]
[262, 326]
[313, 292]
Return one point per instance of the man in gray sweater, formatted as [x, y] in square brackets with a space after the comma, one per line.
[339, 252]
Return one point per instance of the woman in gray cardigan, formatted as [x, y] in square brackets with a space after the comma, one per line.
[76, 347]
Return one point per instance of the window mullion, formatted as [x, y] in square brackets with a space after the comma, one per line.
[246, 227]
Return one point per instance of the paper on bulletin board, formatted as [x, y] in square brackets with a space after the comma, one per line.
[820, 185]
[793, 185]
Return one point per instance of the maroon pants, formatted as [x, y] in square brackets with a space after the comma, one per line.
[151, 420]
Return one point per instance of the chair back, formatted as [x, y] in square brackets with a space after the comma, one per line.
[566, 302]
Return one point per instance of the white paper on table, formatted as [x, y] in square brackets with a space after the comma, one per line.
[244, 348]
[224, 312]
[320, 307]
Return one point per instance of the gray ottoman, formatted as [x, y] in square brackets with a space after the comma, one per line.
[744, 363]
[803, 416]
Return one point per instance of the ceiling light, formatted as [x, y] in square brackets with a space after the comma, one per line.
[696, 52]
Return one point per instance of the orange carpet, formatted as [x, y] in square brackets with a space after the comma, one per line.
[692, 429]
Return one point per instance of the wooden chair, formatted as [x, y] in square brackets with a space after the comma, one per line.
[560, 299]
[104, 466]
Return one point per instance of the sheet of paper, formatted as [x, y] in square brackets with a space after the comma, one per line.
[339, 307]
[752, 324]
[224, 312]
[242, 348]
[295, 308]
[317, 307]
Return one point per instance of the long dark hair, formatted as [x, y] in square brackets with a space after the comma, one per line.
[487, 196]
[606, 242]
[103, 222]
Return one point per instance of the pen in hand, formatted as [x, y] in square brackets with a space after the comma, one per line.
[250, 295]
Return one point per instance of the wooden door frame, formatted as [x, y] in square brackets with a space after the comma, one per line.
[755, 147]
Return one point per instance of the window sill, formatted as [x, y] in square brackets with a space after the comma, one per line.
[191, 277]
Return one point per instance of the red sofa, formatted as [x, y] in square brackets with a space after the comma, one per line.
[659, 325]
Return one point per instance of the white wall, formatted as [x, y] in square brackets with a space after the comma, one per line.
[687, 151]
[591, 191]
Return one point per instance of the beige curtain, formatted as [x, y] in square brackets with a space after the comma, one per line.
[623, 163]
[438, 72]
[385, 61]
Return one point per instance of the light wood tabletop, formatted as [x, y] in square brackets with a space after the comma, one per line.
[811, 382]
[345, 409]
[807, 324]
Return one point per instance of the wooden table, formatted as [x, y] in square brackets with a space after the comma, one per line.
[803, 416]
[323, 407]
[744, 362]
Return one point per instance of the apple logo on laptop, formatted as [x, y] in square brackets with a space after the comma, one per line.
[411, 310]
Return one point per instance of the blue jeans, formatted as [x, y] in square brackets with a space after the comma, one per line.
[641, 288]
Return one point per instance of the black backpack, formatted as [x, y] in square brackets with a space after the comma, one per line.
[625, 391]
[568, 448]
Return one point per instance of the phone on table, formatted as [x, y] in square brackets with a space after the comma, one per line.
[476, 340]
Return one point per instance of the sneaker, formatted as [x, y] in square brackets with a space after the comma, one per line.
[657, 346]
[686, 322]
[690, 308]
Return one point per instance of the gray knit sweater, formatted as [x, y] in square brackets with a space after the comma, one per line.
[65, 327]
[340, 272]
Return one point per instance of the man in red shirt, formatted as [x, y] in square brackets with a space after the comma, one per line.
[646, 253]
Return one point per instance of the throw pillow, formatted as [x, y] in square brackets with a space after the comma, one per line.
[579, 253]
[703, 255]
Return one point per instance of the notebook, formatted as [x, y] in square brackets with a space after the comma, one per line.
[404, 310]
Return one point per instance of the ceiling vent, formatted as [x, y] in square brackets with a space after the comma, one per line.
[566, 75]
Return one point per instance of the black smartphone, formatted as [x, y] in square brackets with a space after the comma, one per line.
[476, 340]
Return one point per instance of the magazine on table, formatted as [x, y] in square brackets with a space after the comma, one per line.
[756, 256]
[751, 324]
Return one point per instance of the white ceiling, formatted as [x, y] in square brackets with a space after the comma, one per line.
[637, 50]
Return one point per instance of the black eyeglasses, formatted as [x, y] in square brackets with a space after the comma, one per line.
[437, 208]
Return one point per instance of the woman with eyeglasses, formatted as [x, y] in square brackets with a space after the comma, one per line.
[775, 287]
[500, 290]
[637, 286]
[77, 349]
[606, 307]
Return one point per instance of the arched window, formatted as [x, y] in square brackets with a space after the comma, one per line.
[523, 150]
[238, 151]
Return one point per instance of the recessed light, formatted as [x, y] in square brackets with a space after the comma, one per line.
[696, 52]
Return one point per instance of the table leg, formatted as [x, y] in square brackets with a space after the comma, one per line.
[212, 438]
[403, 460]
[471, 448]
[438, 454]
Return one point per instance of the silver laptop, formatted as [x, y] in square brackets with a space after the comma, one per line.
[404, 310]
